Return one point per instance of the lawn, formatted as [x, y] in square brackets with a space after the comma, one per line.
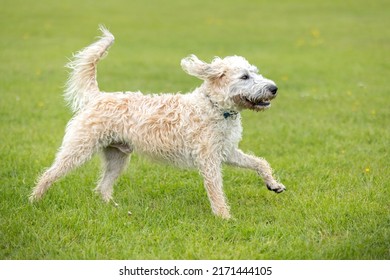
[327, 134]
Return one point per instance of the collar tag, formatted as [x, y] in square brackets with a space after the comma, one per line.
[230, 114]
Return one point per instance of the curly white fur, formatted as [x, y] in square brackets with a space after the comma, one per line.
[82, 78]
[201, 129]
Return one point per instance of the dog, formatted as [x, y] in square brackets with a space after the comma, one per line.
[201, 129]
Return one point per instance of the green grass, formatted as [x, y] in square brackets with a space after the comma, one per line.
[327, 135]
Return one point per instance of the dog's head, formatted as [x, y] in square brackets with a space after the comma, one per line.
[232, 82]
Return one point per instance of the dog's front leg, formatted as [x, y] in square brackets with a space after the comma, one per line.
[261, 166]
[212, 175]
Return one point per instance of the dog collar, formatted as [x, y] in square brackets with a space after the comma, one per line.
[226, 114]
[230, 114]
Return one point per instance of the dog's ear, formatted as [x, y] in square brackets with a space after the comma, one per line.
[200, 69]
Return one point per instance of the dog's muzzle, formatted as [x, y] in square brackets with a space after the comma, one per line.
[259, 103]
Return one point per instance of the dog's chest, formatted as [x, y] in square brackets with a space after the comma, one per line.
[230, 133]
[216, 140]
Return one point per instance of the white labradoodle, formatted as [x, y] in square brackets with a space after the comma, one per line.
[201, 129]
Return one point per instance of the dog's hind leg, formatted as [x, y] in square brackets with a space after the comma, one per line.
[115, 158]
[73, 153]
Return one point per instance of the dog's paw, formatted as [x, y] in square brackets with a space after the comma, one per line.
[223, 213]
[276, 187]
[35, 196]
[105, 195]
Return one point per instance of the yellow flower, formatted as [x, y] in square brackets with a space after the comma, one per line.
[315, 33]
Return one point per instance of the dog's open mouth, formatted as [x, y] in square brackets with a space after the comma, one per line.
[257, 105]
[262, 103]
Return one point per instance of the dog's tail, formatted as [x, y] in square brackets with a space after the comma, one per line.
[82, 84]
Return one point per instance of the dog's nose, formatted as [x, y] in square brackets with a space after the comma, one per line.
[273, 89]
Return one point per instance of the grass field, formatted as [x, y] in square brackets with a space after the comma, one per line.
[327, 134]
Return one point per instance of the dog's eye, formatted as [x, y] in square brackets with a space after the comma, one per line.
[244, 77]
